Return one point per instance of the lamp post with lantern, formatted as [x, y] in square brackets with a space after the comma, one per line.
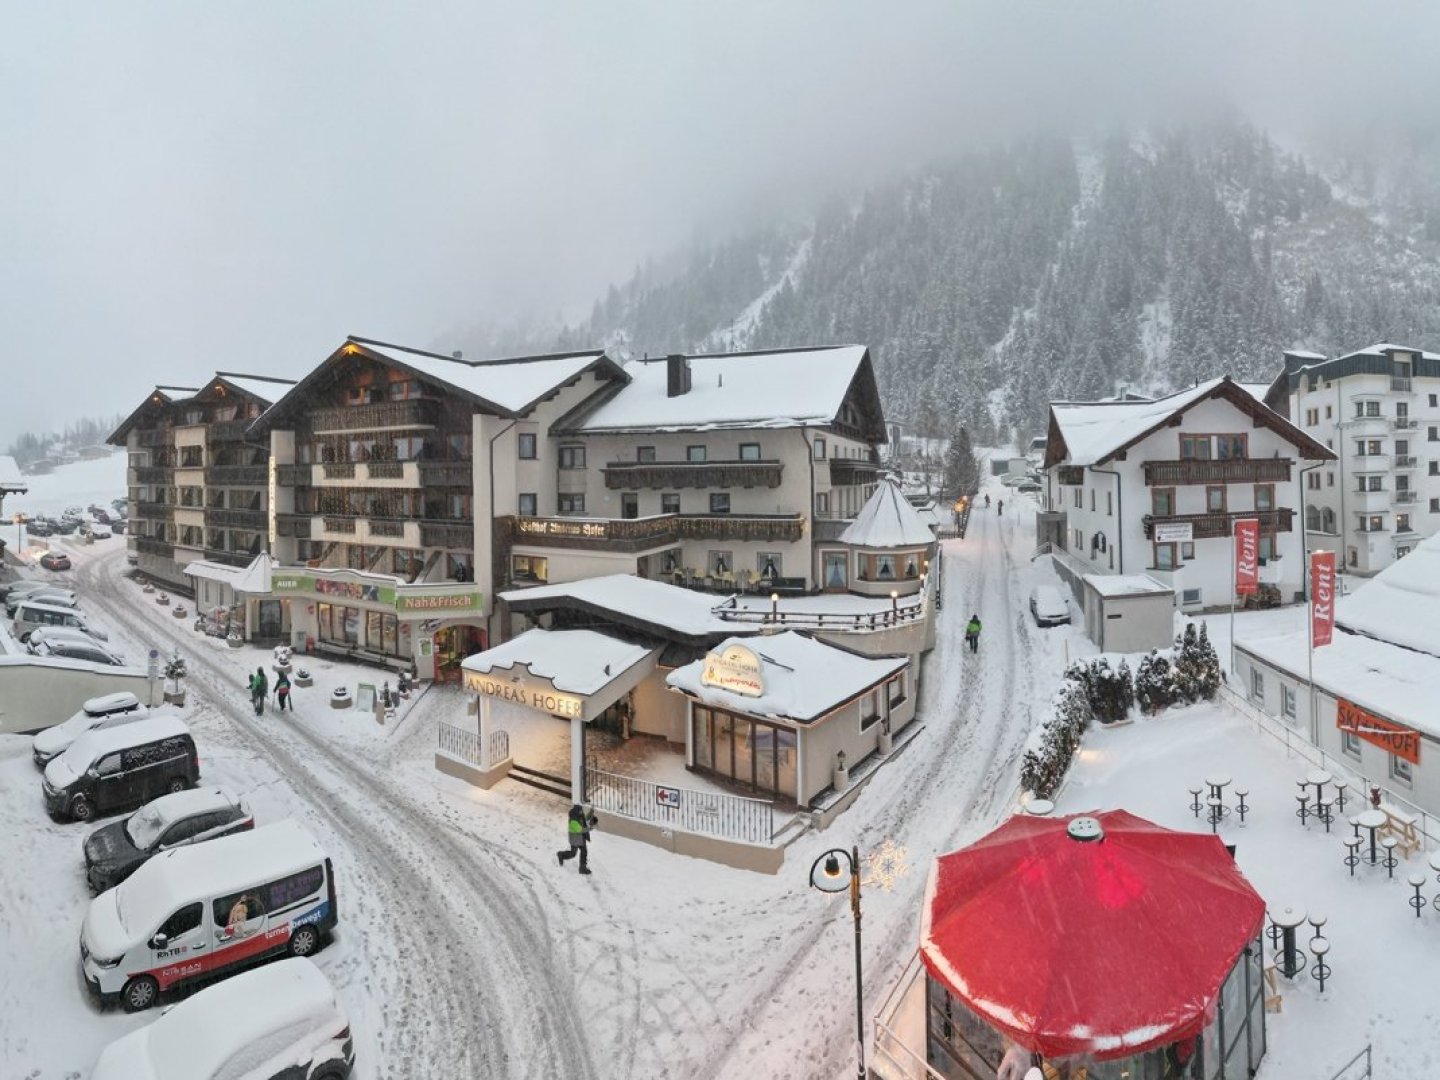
[827, 876]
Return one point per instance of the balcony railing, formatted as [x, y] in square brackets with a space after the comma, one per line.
[156, 437]
[293, 475]
[444, 535]
[446, 474]
[637, 534]
[338, 470]
[1406, 496]
[1400, 384]
[1405, 461]
[692, 474]
[385, 470]
[390, 527]
[378, 417]
[159, 511]
[1211, 526]
[845, 472]
[154, 474]
[293, 525]
[339, 524]
[147, 546]
[236, 519]
[227, 431]
[237, 475]
[1227, 471]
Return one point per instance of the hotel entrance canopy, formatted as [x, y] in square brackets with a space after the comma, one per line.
[575, 674]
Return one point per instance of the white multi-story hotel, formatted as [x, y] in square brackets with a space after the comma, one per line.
[1154, 488]
[1378, 409]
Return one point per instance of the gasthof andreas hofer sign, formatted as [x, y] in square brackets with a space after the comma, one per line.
[532, 695]
[736, 669]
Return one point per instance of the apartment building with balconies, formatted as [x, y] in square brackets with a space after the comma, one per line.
[1155, 487]
[1378, 409]
[198, 491]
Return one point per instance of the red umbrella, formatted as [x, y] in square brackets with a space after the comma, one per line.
[1103, 934]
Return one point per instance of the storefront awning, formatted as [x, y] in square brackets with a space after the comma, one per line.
[562, 672]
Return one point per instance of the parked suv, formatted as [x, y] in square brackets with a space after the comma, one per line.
[106, 772]
[92, 652]
[113, 852]
[106, 711]
[279, 1022]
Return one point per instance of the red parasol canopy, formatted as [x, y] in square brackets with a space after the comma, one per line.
[1106, 946]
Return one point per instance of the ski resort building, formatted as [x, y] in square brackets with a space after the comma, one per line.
[1378, 409]
[1154, 488]
[198, 489]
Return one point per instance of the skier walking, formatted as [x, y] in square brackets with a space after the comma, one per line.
[999, 507]
[259, 688]
[282, 691]
[578, 828]
[972, 633]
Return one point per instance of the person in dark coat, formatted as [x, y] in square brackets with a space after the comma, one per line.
[578, 831]
[282, 691]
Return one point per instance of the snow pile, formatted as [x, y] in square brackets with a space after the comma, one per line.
[1401, 604]
[577, 661]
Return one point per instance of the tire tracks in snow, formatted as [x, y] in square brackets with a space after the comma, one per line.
[479, 990]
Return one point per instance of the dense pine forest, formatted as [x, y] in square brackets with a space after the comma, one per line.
[1054, 268]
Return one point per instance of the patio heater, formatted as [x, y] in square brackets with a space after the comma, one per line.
[826, 875]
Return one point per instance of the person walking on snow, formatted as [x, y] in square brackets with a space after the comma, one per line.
[987, 500]
[578, 826]
[999, 507]
[259, 688]
[282, 691]
[972, 633]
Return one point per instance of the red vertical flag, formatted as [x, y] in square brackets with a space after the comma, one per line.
[1247, 556]
[1322, 597]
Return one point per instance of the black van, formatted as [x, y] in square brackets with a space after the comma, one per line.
[120, 768]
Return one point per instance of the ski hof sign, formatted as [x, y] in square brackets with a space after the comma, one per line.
[1400, 741]
[1247, 556]
[737, 670]
[1322, 597]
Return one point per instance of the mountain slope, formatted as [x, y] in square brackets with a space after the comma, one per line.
[1051, 269]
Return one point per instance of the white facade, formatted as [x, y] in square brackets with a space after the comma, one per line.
[1133, 479]
[1379, 410]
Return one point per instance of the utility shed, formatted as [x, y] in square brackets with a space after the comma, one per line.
[1128, 612]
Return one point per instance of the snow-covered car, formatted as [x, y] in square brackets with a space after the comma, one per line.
[1049, 606]
[53, 593]
[113, 852]
[57, 634]
[278, 1022]
[106, 711]
[96, 530]
[55, 560]
[1029, 487]
[119, 525]
[92, 652]
[31, 615]
[15, 591]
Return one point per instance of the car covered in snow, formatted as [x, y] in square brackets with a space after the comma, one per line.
[1049, 606]
[279, 1022]
[55, 560]
[30, 615]
[92, 652]
[95, 530]
[44, 592]
[115, 851]
[98, 713]
[54, 634]
[121, 768]
[208, 910]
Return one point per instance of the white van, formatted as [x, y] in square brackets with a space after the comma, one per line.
[281, 1021]
[31, 615]
[106, 711]
[198, 913]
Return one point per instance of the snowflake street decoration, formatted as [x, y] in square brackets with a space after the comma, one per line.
[887, 864]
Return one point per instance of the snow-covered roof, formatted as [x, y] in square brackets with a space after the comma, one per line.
[514, 384]
[1110, 585]
[1401, 604]
[887, 520]
[576, 661]
[734, 390]
[211, 571]
[1304, 355]
[255, 578]
[682, 610]
[803, 678]
[10, 478]
[199, 1036]
[1394, 682]
[1385, 347]
[1257, 390]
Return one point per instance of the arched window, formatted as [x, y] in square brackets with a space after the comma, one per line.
[1312, 517]
[1327, 520]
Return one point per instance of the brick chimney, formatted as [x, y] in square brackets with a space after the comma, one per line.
[677, 375]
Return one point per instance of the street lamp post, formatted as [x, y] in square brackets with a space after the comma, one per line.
[826, 875]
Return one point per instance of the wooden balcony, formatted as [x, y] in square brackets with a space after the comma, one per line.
[230, 558]
[154, 474]
[848, 472]
[293, 525]
[446, 535]
[339, 524]
[1213, 526]
[385, 470]
[382, 416]
[293, 475]
[237, 475]
[338, 470]
[673, 475]
[393, 528]
[447, 474]
[155, 510]
[227, 431]
[237, 519]
[156, 437]
[147, 546]
[1228, 471]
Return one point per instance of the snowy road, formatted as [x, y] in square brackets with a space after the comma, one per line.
[469, 984]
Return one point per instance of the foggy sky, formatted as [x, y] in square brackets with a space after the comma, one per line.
[192, 186]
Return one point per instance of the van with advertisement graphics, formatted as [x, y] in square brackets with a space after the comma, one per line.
[199, 913]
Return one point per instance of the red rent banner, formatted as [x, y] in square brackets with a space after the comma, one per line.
[1322, 597]
[1247, 556]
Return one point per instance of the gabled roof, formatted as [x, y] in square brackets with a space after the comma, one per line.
[155, 403]
[576, 661]
[1092, 433]
[1401, 604]
[265, 389]
[887, 520]
[507, 387]
[781, 388]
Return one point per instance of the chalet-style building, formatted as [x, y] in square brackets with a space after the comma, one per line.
[1154, 488]
[197, 487]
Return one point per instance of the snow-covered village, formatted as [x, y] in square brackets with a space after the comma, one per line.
[842, 598]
